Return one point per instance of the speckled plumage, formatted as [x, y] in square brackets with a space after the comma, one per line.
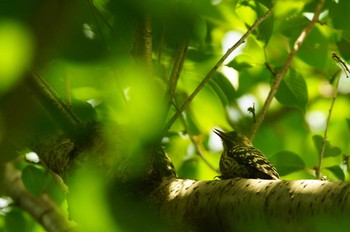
[241, 159]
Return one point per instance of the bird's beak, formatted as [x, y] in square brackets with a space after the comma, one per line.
[220, 133]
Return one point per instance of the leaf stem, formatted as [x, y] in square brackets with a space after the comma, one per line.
[175, 73]
[324, 140]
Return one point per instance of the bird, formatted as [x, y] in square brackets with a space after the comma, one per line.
[240, 159]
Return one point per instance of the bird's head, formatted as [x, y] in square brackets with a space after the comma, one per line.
[232, 138]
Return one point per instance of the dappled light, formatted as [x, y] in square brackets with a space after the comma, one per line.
[110, 112]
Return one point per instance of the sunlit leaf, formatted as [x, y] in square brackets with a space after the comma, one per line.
[337, 171]
[315, 50]
[329, 149]
[16, 46]
[293, 91]
[265, 28]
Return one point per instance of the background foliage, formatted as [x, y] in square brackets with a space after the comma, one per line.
[85, 51]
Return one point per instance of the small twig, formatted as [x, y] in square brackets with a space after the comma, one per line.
[175, 73]
[270, 68]
[341, 63]
[324, 141]
[214, 69]
[279, 76]
[252, 111]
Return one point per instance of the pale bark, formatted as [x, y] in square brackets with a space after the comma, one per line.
[254, 205]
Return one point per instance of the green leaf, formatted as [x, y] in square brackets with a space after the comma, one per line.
[200, 30]
[33, 178]
[241, 62]
[15, 221]
[293, 91]
[348, 122]
[315, 49]
[337, 171]
[287, 162]
[189, 169]
[265, 29]
[329, 150]
[223, 88]
[339, 13]
[53, 189]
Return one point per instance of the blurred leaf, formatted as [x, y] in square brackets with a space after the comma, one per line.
[265, 29]
[16, 52]
[292, 24]
[339, 13]
[314, 50]
[199, 55]
[293, 91]
[33, 178]
[200, 30]
[241, 62]
[329, 150]
[344, 48]
[53, 189]
[223, 88]
[191, 123]
[337, 171]
[189, 169]
[15, 221]
[287, 162]
[85, 112]
[348, 122]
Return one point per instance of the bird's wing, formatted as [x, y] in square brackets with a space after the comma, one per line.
[253, 158]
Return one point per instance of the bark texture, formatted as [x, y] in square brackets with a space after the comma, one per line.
[253, 204]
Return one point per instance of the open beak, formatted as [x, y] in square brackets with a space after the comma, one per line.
[220, 133]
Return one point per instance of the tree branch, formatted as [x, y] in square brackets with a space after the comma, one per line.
[214, 69]
[252, 205]
[59, 110]
[176, 70]
[143, 40]
[41, 208]
[279, 76]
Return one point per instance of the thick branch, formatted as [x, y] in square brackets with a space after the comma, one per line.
[41, 208]
[252, 204]
[279, 76]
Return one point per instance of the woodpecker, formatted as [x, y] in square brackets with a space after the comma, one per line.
[241, 159]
